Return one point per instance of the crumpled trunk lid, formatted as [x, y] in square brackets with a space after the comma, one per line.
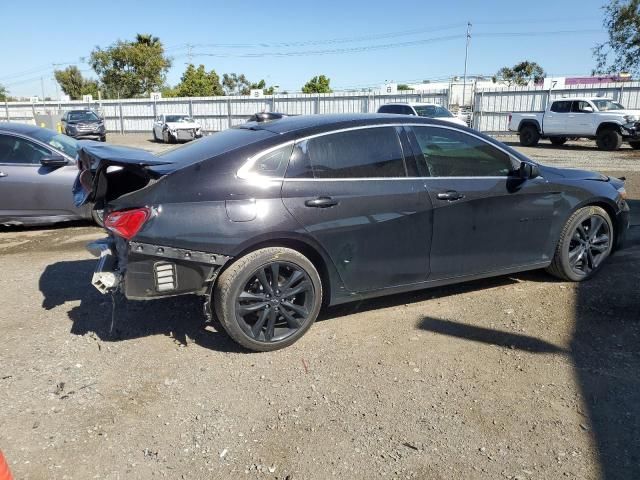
[107, 172]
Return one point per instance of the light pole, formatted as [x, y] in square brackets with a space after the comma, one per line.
[466, 55]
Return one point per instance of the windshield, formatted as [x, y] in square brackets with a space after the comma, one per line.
[605, 105]
[60, 142]
[87, 116]
[178, 118]
[432, 111]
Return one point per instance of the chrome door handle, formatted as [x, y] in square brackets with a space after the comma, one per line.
[2, 174]
[450, 195]
[321, 202]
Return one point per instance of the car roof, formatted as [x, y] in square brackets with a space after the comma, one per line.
[22, 128]
[311, 123]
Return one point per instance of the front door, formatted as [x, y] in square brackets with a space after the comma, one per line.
[556, 119]
[484, 218]
[352, 192]
[28, 189]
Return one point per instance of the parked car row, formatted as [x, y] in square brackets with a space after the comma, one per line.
[269, 221]
[601, 119]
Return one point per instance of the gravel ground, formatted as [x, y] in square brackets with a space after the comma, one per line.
[519, 377]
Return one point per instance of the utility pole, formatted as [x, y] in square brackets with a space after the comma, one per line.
[42, 86]
[190, 53]
[466, 55]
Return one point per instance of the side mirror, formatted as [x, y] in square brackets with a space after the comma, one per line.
[528, 171]
[53, 161]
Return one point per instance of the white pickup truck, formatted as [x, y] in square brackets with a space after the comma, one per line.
[602, 119]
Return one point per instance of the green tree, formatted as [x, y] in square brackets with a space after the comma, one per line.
[318, 84]
[520, 74]
[621, 52]
[4, 94]
[197, 82]
[74, 84]
[404, 86]
[235, 84]
[131, 69]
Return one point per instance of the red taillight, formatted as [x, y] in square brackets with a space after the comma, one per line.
[127, 223]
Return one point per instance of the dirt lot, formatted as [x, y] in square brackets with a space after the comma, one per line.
[518, 377]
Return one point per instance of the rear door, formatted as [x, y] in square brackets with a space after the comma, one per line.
[28, 189]
[556, 119]
[484, 219]
[356, 194]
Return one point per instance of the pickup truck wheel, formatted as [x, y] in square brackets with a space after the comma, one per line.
[269, 298]
[635, 145]
[557, 141]
[585, 243]
[609, 139]
[529, 136]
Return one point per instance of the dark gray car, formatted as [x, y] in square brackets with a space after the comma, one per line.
[84, 124]
[269, 221]
[37, 170]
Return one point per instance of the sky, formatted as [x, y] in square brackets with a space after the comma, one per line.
[357, 44]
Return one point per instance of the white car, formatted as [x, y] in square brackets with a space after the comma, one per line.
[429, 110]
[602, 119]
[174, 128]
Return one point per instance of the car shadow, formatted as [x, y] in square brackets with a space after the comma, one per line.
[605, 350]
[115, 319]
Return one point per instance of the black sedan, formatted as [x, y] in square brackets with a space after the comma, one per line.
[269, 221]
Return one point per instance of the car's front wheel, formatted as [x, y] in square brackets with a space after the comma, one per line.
[585, 243]
[635, 144]
[609, 139]
[558, 141]
[268, 298]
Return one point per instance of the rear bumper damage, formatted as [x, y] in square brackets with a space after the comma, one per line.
[143, 271]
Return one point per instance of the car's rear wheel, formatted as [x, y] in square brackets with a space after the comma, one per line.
[103, 138]
[585, 243]
[558, 141]
[529, 136]
[609, 139]
[635, 145]
[269, 298]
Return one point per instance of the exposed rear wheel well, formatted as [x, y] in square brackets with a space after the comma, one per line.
[526, 123]
[300, 246]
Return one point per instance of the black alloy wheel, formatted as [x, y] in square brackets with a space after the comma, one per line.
[275, 302]
[268, 298]
[589, 245]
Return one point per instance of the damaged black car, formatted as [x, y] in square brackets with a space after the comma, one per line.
[271, 221]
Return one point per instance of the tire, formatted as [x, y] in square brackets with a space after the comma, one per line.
[574, 258]
[558, 141]
[635, 145]
[529, 136]
[103, 138]
[98, 217]
[155, 137]
[609, 139]
[247, 276]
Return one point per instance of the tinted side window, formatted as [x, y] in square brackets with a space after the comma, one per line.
[364, 153]
[452, 153]
[562, 106]
[20, 151]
